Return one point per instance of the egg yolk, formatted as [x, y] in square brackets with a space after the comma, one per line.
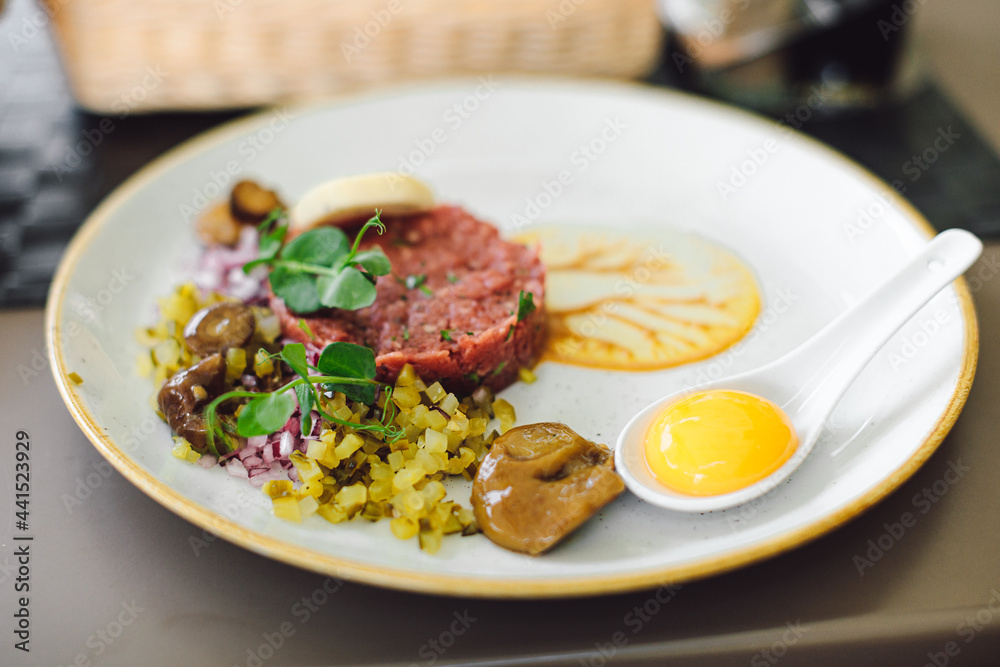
[714, 442]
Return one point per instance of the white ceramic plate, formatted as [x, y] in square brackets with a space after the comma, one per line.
[818, 230]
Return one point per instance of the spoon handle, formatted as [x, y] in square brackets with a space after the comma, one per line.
[827, 364]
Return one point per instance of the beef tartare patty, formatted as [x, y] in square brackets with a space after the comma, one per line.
[449, 307]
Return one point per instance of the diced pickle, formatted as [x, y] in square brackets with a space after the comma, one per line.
[504, 411]
[435, 392]
[287, 508]
[347, 473]
[406, 397]
[277, 487]
[404, 527]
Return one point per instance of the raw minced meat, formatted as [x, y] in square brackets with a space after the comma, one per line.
[449, 307]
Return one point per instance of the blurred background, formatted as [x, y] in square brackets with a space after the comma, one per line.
[91, 90]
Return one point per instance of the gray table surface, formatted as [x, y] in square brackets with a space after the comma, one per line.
[116, 579]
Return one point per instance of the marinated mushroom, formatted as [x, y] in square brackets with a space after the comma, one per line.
[539, 483]
[250, 203]
[216, 226]
[188, 390]
[219, 327]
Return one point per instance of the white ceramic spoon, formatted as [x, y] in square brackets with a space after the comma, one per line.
[809, 381]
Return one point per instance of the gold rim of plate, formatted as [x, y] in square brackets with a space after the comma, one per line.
[443, 584]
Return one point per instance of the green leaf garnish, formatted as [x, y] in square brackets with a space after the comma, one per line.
[373, 261]
[307, 399]
[265, 414]
[446, 335]
[272, 237]
[298, 290]
[344, 366]
[349, 360]
[320, 268]
[324, 246]
[349, 289]
[294, 355]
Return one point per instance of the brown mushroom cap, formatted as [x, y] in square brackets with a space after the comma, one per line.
[179, 400]
[250, 203]
[216, 226]
[539, 483]
[218, 327]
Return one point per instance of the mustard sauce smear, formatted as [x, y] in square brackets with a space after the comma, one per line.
[637, 300]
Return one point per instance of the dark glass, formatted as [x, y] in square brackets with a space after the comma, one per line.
[857, 60]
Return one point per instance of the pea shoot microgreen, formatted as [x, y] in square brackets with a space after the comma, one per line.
[416, 282]
[525, 305]
[306, 329]
[343, 367]
[320, 268]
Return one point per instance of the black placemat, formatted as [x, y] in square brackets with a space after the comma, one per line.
[57, 162]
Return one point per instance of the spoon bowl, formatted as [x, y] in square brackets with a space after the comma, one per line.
[808, 382]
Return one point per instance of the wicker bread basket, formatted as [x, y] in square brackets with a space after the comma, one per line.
[200, 54]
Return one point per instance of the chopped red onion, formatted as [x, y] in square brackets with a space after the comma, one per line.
[237, 469]
[221, 269]
[266, 475]
[253, 462]
[287, 444]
